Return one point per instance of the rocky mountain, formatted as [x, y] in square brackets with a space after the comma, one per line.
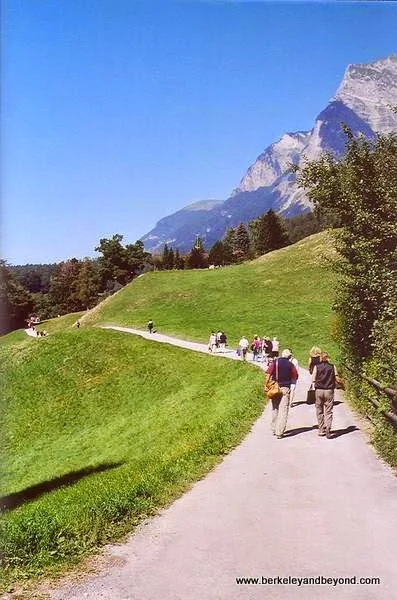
[362, 102]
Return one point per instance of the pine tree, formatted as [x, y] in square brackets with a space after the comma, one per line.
[229, 246]
[242, 243]
[217, 254]
[197, 258]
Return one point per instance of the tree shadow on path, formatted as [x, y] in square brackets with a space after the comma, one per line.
[12, 501]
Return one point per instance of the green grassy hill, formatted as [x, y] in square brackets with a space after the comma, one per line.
[100, 428]
[286, 293]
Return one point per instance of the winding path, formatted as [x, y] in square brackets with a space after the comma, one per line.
[302, 506]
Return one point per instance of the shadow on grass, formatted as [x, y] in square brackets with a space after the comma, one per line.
[12, 501]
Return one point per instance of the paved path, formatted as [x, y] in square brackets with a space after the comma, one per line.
[302, 506]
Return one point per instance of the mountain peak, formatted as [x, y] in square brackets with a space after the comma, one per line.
[369, 90]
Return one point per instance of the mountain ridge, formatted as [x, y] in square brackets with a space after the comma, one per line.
[362, 101]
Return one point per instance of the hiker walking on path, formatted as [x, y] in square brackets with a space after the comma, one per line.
[275, 347]
[243, 345]
[150, 326]
[255, 347]
[267, 348]
[314, 358]
[212, 342]
[284, 372]
[222, 342]
[324, 381]
[293, 360]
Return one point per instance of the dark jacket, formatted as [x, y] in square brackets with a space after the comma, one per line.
[325, 376]
[286, 372]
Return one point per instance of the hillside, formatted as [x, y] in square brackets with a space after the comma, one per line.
[287, 293]
[99, 431]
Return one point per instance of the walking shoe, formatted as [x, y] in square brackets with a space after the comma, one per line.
[321, 433]
[279, 437]
[328, 435]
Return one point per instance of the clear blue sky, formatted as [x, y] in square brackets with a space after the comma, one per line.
[116, 113]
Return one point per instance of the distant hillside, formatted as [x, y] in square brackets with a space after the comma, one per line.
[287, 293]
[362, 102]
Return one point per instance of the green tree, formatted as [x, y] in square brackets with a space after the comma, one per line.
[217, 254]
[118, 263]
[62, 292]
[359, 193]
[179, 261]
[229, 246]
[197, 258]
[15, 302]
[268, 232]
[241, 248]
[87, 286]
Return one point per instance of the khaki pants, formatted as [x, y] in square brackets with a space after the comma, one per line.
[324, 406]
[280, 407]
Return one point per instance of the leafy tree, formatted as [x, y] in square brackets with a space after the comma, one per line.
[15, 302]
[118, 263]
[359, 193]
[62, 293]
[86, 288]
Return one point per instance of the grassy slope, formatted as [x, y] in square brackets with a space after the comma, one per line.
[285, 293]
[84, 398]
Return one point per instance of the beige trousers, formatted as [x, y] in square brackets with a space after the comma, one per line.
[280, 408]
[324, 406]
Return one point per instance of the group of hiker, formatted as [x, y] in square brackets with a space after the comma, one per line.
[281, 377]
[217, 341]
[263, 349]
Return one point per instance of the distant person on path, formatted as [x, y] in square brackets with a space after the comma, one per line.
[275, 347]
[324, 381]
[150, 326]
[222, 342]
[212, 342]
[243, 345]
[78, 324]
[267, 348]
[284, 372]
[293, 360]
[255, 347]
[314, 358]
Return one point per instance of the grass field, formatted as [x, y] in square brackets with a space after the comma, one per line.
[287, 293]
[102, 428]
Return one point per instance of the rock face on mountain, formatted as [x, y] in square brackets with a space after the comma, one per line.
[362, 102]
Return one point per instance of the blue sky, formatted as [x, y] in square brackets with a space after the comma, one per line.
[116, 113]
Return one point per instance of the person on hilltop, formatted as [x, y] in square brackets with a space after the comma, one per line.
[212, 346]
[150, 326]
[284, 372]
[324, 380]
[243, 345]
[314, 358]
[275, 347]
[255, 347]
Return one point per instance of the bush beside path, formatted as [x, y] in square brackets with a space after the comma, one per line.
[303, 506]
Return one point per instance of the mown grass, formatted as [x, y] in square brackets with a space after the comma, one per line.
[287, 293]
[99, 429]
